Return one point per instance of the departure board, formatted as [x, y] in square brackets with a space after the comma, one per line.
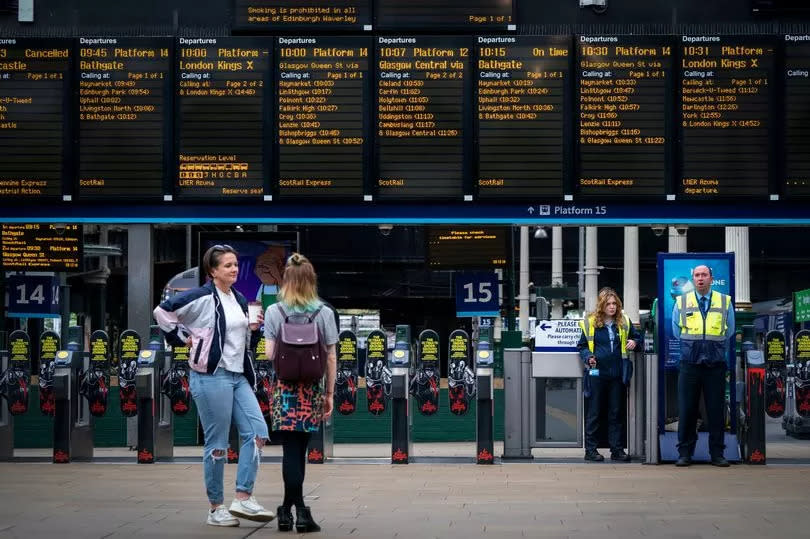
[444, 14]
[725, 102]
[40, 247]
[623, 115]
[522, 102]
[313, 15]
[125, 97]
[422, 119]
[223, 111]
[322, 87]
[464, 247]
[797, 115]
[35, 97]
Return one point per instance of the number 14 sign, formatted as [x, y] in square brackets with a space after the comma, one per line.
[32, 296]
[477, 294]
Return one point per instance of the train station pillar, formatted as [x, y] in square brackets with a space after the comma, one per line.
[677, 241]
[139, 294]
[591, 267]
[556, 268]
[737, 243]
[630, 292]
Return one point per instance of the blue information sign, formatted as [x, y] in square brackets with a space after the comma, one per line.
[32, 296]
[477, 294]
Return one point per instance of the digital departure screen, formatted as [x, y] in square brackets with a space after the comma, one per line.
[322, 87]
[125, 95]
[624, 118]
[466, 247]
[797, 115]
[443, 14]
[223, 111]
[313, 15]
[725, 127]
[35, 97]
[423, 121]
[40, 247]
[522, 102]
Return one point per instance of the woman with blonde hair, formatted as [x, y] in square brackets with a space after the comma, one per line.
[607, 337]
[299, 407]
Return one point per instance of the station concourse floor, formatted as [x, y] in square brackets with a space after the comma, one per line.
[358, 494]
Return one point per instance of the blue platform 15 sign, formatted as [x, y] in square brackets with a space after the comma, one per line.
[32, 296]
[477, 294]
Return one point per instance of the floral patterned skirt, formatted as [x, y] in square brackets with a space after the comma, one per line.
[297, 406]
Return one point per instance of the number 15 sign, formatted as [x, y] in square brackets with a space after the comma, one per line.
[477, 294]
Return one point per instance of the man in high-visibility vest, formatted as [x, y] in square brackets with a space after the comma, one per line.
[703, 320]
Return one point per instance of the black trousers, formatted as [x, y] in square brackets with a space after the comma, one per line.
[605, 392]
[711, 379]
[293, 465]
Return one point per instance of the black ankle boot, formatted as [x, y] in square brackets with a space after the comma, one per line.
[304, 522]
[284, 516]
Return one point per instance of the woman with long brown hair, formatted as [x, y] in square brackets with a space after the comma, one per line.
[299, 407]
[607, 336]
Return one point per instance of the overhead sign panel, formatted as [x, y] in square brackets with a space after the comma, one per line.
[444, 14]
[522, 119]
[323, 86]
[40, 247]
[35, 105]
[797, 115]
[624, 115]
[423, 121]
[726, 117]
[223, 117]
[311, 15]
[125, 96]
[466, 247]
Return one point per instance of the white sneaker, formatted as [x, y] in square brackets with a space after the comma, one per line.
[251, 510]
[221, 517]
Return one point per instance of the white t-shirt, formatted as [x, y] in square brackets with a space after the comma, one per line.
[236, 324]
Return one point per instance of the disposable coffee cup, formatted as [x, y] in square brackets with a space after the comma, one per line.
[254, 308]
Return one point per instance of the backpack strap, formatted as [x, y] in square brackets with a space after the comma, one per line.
[311, 318]
[281, 310]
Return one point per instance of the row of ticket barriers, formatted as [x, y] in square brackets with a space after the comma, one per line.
[74, 385]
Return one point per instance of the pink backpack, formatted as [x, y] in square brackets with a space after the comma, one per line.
[300, 355]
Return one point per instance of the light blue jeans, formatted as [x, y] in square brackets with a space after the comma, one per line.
[223, 397]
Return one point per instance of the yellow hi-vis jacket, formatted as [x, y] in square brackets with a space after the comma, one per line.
[588, 324]
[696, 327]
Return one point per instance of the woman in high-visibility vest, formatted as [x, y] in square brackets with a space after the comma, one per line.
[607, 337]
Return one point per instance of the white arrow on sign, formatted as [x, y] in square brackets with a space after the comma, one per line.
[557, 335]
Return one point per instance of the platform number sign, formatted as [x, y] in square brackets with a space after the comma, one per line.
[32, 296]
[477, 294]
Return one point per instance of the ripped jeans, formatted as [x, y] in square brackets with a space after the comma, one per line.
[223, 397]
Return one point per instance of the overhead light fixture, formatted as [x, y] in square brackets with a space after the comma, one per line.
[598, 6]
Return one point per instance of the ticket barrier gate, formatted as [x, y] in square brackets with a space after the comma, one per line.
[753, 428]
[544, 403]
[321, 444]
[6, 419]
[485, 410]
[399, 362]
[155, 417]
[72, 427]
